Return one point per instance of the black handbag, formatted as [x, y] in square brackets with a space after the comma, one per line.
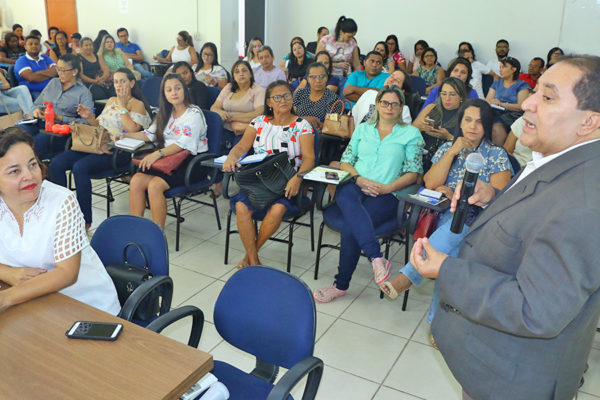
[265, 182]
[127, 277]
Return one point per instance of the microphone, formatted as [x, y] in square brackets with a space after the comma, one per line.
[473, 164]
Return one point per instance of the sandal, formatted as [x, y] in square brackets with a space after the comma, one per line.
[381, 269]
[391, 292]
[242, 264]
[432, 341]
[328, 294]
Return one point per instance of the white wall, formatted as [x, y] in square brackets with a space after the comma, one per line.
[531, 26]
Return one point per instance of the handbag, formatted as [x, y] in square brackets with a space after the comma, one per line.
[427, 223]
[341, 124]
[168, 164]
[127, 277]
[6, 121]
[265, 182]
[89, 139]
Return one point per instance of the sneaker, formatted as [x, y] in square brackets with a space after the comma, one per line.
[381, 269]
[328, 294]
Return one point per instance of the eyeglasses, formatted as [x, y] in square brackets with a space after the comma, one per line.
[278, 97]
[504, 47]
[62, 71]
[319, 77]
[208, 55]
[428, 55]
[387, 104]
[448, 94]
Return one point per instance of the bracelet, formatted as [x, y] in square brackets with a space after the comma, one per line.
[161, 153]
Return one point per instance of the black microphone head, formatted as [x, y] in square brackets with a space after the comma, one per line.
[474, 163]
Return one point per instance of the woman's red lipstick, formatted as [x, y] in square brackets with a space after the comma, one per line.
[30, 187]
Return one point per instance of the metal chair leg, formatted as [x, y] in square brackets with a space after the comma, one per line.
[319, 241]
[312, 228]
[177, 206]
[214, 198]
[227, 233]
[290, 244]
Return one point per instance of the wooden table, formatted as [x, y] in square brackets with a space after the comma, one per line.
[39, 362]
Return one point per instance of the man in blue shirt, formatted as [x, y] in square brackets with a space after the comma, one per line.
[371, 78]
[132, 51]
[33, 69]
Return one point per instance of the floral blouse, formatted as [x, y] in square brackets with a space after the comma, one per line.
[110, 119]
[428, 75]
[188, 131]
[495, 158]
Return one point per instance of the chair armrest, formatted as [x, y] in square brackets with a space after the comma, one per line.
[164, 282]
[226, 179]
[69, 143]
[311, 366]
[173, 316]
[304, 185]
[193, 164]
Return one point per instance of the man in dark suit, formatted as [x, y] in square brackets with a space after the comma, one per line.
[521, 302]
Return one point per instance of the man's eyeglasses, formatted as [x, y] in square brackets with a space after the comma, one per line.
[278, 97]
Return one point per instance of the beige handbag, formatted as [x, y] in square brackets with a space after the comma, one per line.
[6, 121]
[89, 139]
[341, 124]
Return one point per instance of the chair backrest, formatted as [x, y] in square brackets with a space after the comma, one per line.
[418, 85]
[214, 133]
[114, 233]
[11, 77]
[486, 82]
[151, 90]
[268, 313]
[213, 93]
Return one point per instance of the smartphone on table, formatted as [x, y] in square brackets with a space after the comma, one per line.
[95, 330]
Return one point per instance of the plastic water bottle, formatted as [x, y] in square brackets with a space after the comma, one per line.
[49, 116]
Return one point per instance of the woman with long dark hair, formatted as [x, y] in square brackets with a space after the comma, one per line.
[395, 54]
[415, 59]
[333, 82]
[183, 51]
[342, 47]
[459, 68]
[61, 47]
[209, 71]
[126, 112]
[198, 90]
[94, 71]
[178, 126]
[298, 60]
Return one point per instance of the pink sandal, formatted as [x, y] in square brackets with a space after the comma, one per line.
[328, 294]
[381, 269]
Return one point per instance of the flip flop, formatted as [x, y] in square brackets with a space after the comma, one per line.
[242, 264]
[393, 294]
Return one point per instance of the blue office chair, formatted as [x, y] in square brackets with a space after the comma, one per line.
[213, 93]
[271, 315]
[418, 85]
[109, 240]
[177, 314]
[197, 182]
[151, 90]
[486, 82]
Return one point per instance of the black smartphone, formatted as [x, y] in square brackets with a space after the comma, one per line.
[332, 175]
[95, 330]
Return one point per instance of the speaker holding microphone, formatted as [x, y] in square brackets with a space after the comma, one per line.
[473, 166]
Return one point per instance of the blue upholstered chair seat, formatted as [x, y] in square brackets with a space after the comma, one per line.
[240, 384]
[332, 216]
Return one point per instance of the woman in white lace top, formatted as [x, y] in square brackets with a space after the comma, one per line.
[43, 245]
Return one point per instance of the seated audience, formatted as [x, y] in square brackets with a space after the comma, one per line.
[507, 92]
[15, 98]
[384, 156]
[333, 82]
[183, 51]
[429, 70]
[313, 102]
[388, 62]
[33, 69]
[478, 70]
[42, 220]
[17, 30]
[396, 55]
[198, 90]
[50, 44]
[178, 126]
[133, 52]
[474, 134]
[536, 67]
[279, 129]
[12, 50]
[240, 101]
[297, 63]
[61, 46]
[371, 78]
[502, 49]
[98, 40]
[252, 54]
[438, 121]
[342, 47]
[267, 72]
[113, 57]
[554, 55]
[127, 112]
[65, 93]
[75, 44]
[94, 72]
[209, 71]
[311, 47]
[414, 62]
[513, 146]
[364, 108]
[459, 68]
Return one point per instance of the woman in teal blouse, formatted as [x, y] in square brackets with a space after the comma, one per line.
[383, 156]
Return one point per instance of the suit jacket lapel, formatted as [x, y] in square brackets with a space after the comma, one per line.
[526, 187]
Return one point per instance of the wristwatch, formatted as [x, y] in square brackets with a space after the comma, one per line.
[124, 111]
[161, 153]
[354, 178]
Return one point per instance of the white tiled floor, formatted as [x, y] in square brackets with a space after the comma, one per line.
[371, 349]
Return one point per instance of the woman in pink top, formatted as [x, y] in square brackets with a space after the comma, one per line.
[342, 47]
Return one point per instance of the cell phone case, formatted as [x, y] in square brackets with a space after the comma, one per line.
[84, 327]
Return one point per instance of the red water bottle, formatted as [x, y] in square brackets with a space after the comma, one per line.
[49, 116]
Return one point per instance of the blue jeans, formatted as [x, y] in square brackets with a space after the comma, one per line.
[82, 165]
[45, 146]
[445, 241]
[143, 71]
[361, 215]
[16, 99]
